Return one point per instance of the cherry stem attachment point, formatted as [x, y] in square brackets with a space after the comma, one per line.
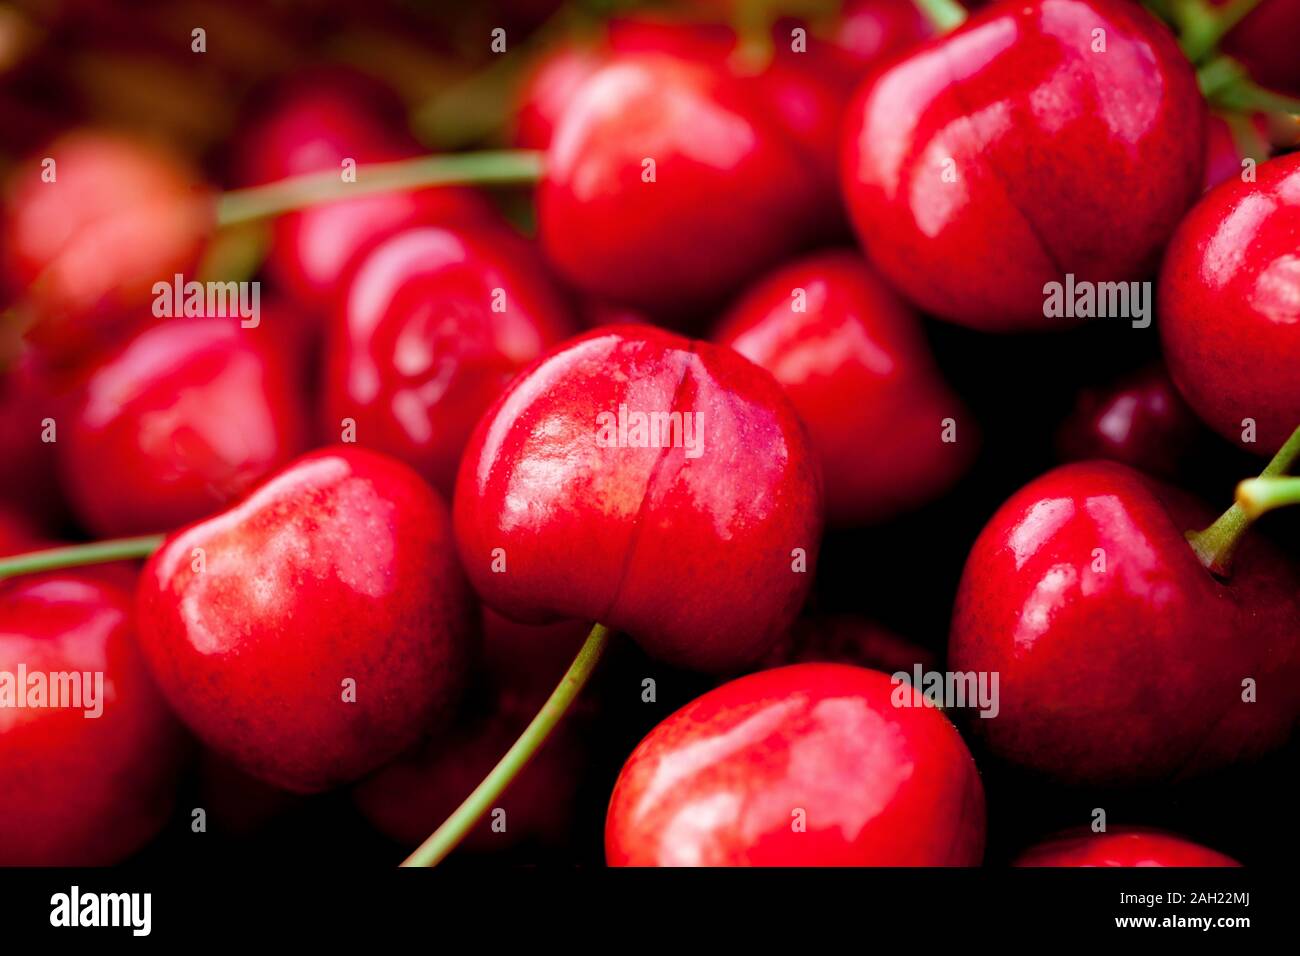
[505, 167]
[944, 15]
[1216, 544]
[76, 555]
[448, 836]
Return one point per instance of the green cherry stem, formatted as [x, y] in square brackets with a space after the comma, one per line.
[504, 167]
[446, 838]
[1216, 544]
[1259, 496]
[75, 555]
[945, 15]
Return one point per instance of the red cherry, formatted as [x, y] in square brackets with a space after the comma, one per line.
[1230, 306]
[805, 92]
[1120, 658]
[184, 418]
[998, 158]
[548, 90]
[1122, 846]
[80, 790]
[409, 798]
[86, 248]
[316, 127]
[316, 121]
[728, 194]
[809, 765]
[315, 247]
[435, 324]
[694, 547]
[339, 569]
[1139, 420]
[855, 364]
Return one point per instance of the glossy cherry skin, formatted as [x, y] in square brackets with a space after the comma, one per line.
[81, 791]
[86, 249]
[855, 363]
[998, 158]
[1121, 659]
[521, 664]
[1139, 420]
[804, 92]
[1122, 846]
[340, 567]
[435, 324]
[184, 418]
[1230, 306]
[729, 194]
[695, 556]
[549, 88]
[726, 780]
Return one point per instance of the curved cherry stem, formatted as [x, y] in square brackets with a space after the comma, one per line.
[1216, 544]
[446, 838]
[944, 15]
[505, 167]
[1258, 496]
[76, 555]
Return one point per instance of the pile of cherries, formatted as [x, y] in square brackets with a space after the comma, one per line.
[378, 516]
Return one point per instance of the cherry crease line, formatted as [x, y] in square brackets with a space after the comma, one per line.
[638, 522]
[454, 829]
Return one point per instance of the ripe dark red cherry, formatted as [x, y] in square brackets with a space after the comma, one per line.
[178, 422]
[808, 765]
[1230, 307]
[1139, 420]
[666, 185]
[855, 363]
[86, 248]
[316, 629]
[79, 790]
[998, 158]
[1121, 846]
[435, 324]
[697, 538]
[1122, 660]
